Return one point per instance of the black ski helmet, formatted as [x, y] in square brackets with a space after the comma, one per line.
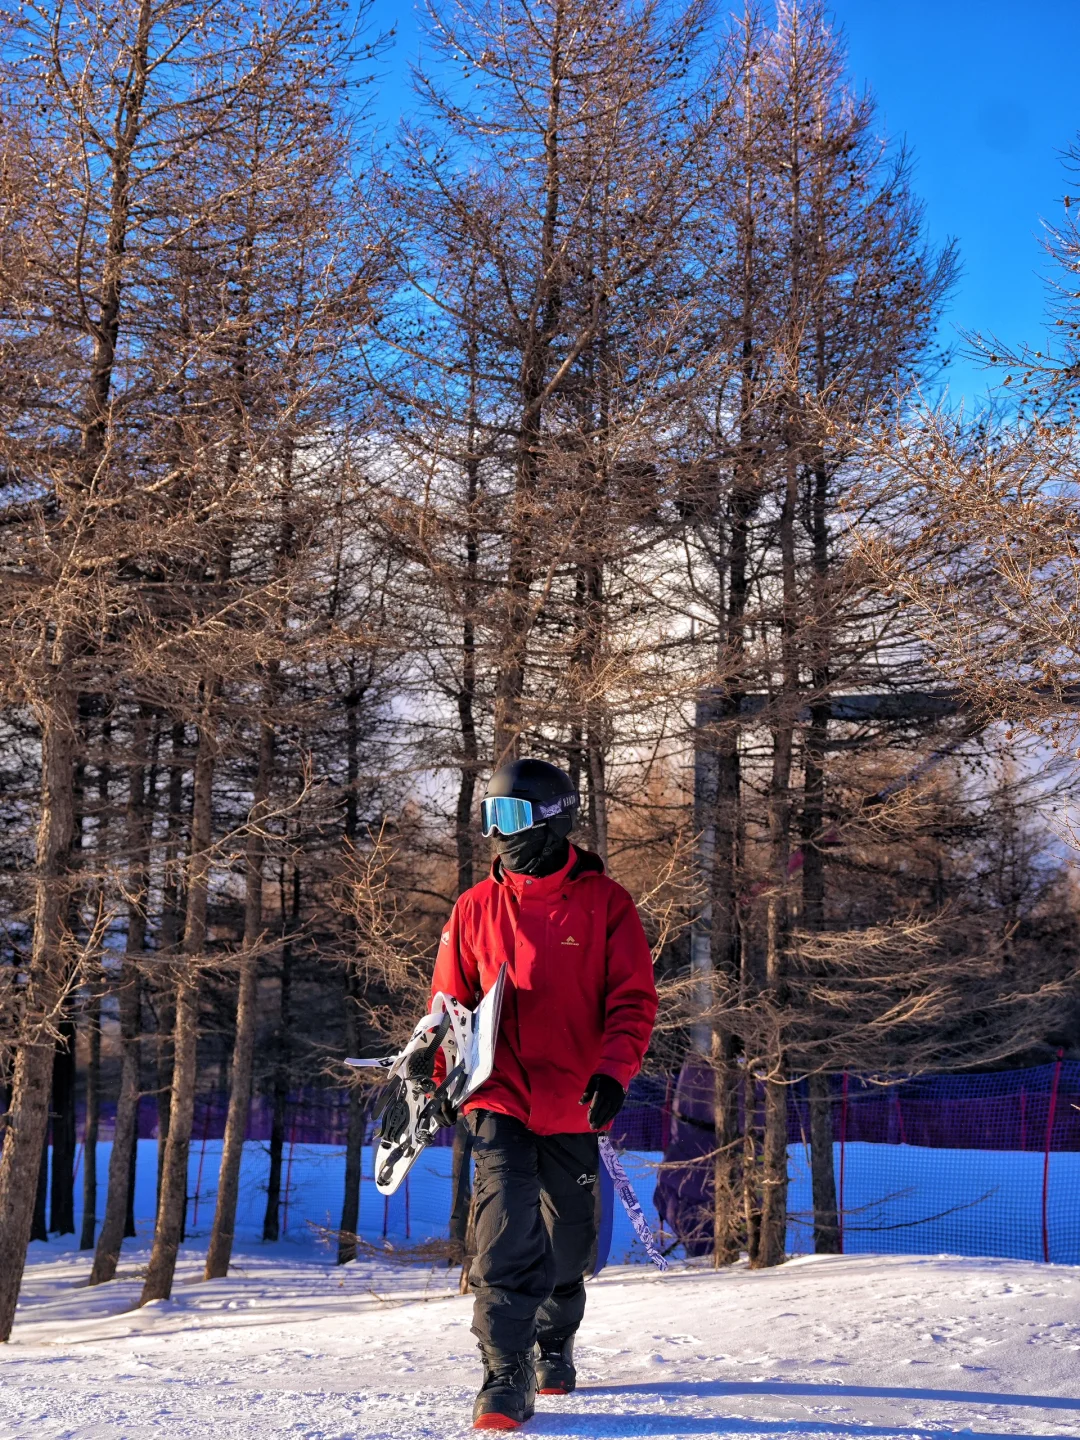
[548, 789]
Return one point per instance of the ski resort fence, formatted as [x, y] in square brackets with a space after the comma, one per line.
[984, 1164]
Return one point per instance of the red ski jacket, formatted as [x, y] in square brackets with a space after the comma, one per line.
[579, 994]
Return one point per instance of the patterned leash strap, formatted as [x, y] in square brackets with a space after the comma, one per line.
[631, 1205]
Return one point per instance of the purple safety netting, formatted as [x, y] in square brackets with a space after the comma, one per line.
[644, 1122]
[984, 1164]
[321, 1117]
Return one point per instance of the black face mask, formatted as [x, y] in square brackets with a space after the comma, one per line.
[539, 851]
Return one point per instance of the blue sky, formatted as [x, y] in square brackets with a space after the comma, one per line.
[987, 96]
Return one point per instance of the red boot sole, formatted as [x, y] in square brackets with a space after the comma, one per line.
[554, 1390]
[496, 1422]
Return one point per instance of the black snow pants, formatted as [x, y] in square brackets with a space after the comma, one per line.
[535, 1231]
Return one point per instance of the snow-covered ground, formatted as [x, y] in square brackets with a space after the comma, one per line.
[290, 1346]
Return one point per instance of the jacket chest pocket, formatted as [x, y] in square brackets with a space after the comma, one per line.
[570, 924]
[576, 960]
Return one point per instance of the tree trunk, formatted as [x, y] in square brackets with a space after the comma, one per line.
[166, 1026]
[173, 899]
[823, 1177]
[774, 1177]
[65, 1067]
[169, 1230]
[774, 1170]
[28, 1113]
[129, 1209]
[727, 1179]
[173, 1205]
[734, 1177]
[354, 1167]
[724, 961]
[173, 888]
[354, 1140]
[93, 1064]
[465, 818]
[594, 748]
[272, 1217]
[282, 1076]
[93, 1067]
[62, 1178]
[751, 1168]
[93, 1118]
[45, 991]
[822, 1170]
[219, 1251]
[39, 1229]
[591, 661]
[357, 1124]
[125, 1134]
[352, 756]
[724, 826]
[119, 1200]
[536, 347]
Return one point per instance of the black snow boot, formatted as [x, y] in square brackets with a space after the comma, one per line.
[506, 1397]
[555, 1373]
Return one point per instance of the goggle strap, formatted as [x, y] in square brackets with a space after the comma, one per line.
[556, 807]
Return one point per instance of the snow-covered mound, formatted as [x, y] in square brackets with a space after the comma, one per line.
[286, 1346]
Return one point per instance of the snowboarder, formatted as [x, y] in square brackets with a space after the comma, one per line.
[577, 1014]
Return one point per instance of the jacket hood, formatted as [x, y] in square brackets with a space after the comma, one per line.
[586, 862]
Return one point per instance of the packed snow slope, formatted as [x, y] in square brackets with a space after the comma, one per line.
[842, 1347]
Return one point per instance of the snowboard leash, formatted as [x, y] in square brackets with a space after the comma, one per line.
[625, 1191]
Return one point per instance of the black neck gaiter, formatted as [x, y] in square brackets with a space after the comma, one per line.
[537, 852]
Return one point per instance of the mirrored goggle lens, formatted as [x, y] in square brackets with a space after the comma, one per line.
[506, 815]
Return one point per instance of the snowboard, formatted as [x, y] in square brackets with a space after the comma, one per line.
[411, 1099]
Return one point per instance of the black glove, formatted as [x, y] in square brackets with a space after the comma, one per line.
[604, 1097]
[445, 1115]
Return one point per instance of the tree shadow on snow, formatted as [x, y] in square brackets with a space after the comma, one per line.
[657, 1423]
[675, 1427]
[702, 1388]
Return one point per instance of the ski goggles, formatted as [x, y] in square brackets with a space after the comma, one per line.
[509, 815]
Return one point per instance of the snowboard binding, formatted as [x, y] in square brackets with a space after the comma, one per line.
[408, 1111]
